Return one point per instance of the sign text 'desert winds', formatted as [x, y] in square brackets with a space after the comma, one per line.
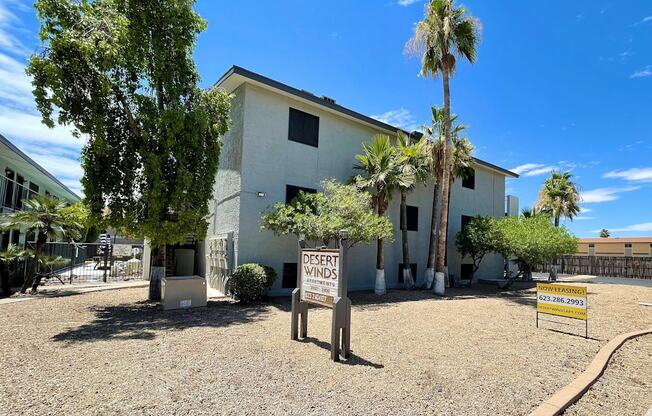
[319, 276]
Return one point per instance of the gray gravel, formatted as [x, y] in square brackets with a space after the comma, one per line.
[474, 352]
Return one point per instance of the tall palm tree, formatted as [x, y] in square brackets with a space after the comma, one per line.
[559, 196]
[444, 32]
[462, 160]
[380, 176]
[46, 216]
[414, 164]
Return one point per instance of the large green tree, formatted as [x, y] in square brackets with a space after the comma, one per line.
[445, 31]
[559, 196]
[47, 217]
[380, 175]
[121, 73]
[319, 217]
[478, 238]
[414, 162]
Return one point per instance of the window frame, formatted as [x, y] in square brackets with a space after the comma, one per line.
[298, 132]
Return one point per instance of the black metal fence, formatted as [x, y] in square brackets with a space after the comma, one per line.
[90, 262]
[611, 266]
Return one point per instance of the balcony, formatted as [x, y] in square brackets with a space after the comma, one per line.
[13, 195]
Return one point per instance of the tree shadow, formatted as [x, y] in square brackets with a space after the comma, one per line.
[352, 360]
[142, 320]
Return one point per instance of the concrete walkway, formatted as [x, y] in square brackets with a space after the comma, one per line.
[605, 280]
[74, 289]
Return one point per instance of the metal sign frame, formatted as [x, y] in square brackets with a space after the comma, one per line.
[567, 314]
[341, 315]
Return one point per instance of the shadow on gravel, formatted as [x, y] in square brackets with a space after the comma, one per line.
[352, 360]
[142, 320]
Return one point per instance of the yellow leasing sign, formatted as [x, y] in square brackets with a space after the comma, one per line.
[562, 300]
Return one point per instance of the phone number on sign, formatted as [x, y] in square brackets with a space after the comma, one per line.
[557, 299]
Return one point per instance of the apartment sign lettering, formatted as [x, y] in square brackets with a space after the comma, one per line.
[320, 278]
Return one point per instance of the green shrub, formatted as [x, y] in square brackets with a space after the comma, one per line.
[250, 282]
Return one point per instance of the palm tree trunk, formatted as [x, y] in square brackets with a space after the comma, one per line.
[34, 276]
[429, 275]
[4, 275]
[556, 220]
[380, 286]
[439, 287]
[408, 279]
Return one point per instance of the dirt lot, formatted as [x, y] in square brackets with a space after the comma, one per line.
[625, 388]
[474, 352]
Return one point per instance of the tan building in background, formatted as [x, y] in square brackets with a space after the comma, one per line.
[615, 246]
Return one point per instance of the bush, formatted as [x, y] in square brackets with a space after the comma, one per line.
[251, 282]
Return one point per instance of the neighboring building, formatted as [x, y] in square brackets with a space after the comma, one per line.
[20, 179]
[283, 140]
[615, 246]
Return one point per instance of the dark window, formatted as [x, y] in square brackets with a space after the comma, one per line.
[628, 245]
[469, 179]
[466, 272]
[33, 189]
[20, 191]
[303, 128]
[289, 275]
[9, 188]
[15, 236]
[292, 191]
[591, 245]
[412, 218]
[465, 220]
[413, 267]
[5, 240]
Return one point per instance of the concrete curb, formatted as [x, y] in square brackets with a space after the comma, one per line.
[568, 395]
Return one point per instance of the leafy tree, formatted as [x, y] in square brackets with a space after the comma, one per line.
[533, 240]
[8, 257]
[604, 233]
[380, 176]
[122, 73]
[47, 217]
[81, 214]
[414, 163]
[478, 238]
[319, 217]
[559, 197]
[445, 31]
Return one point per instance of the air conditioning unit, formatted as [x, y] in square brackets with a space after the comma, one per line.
[328, 99]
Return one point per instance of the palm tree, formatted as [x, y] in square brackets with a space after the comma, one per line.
[414, 163]
[604, 233]
[8, 257]
[462, 160]
[559, 196]
[380, 176]
[46, 216]
[444, 32]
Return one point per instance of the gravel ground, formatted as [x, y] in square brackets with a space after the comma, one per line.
[625, 388]
[474, 352]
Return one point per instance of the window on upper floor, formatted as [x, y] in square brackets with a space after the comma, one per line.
[412, 218]
[303, 128]
[468, 181]
[33, 189]
[292, 191]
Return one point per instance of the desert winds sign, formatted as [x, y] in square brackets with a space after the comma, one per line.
[320, 276]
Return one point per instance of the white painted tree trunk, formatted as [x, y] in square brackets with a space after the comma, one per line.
[380, 288]
[429, 277]
[157, 273]
[408, 280]
[440, 286]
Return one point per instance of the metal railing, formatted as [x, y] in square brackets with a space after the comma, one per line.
[13, 194]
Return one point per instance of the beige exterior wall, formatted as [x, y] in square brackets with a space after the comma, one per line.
[615, 248]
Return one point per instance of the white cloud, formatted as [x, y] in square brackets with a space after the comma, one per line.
[647, 19]
[27, 127]
[15, 85]
[540, 171]
[401, 118]
[584, 210]
[643, 227]
[605, 194]
[8, 22]
[526, 167]
[633, 174]
[642, 73]
[406, 2]
[583, 218]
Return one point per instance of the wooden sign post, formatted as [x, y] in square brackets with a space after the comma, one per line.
[322, 280]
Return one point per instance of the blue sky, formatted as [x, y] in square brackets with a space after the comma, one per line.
[557, 85]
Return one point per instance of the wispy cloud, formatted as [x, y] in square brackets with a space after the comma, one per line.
[605, 194]
[633, 174]
[642, 227]
[8, 22]
[400, 117]
[536, 169]
[583, 218]
[540, 171]
[642, 73]
[526, 167]
[406, 2]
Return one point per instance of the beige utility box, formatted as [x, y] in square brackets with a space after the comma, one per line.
[181, 292]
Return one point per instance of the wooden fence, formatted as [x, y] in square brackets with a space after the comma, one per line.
[633, 267]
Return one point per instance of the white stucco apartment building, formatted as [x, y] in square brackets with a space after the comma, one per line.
[283, 139]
